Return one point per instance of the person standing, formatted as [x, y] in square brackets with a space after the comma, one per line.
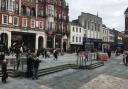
[2, 61]
[17, 51]
[29, 64]
[35, 68]
[4, 71]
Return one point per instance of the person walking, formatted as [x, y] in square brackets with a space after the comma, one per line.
[109, 53]
[35, 68]
[55, 54]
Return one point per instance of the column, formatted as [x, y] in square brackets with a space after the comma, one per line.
[36, 8]
[0, 5]
[36, 46]
[62, 43]
[54, 41]
[9, 39]
[19, 7]
[44, 41]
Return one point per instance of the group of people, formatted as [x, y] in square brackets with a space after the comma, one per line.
[45, 54]
[32, 65]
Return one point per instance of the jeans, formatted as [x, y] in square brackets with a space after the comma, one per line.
[35, 73]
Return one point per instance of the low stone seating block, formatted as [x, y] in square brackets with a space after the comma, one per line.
[103, 56]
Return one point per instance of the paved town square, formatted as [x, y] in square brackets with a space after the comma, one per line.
[63, 44]
[75, 79]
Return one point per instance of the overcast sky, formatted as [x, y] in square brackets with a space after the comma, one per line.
[111, 11]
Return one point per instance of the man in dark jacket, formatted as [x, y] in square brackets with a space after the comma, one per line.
[29, 64]
[4, 71]
[2, 61]
[35, 68]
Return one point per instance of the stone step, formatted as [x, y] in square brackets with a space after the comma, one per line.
[42, 72]
[95, 65]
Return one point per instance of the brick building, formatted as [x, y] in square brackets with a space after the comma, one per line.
[36, 23]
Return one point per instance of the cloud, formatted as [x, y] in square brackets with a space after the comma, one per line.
[111, 11]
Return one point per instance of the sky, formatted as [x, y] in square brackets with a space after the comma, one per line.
[111, 11]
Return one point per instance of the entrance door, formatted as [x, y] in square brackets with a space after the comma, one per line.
[49, 42]
[64, 46]
[40, 42]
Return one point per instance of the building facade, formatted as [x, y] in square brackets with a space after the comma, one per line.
[126, 21]
[126, 30]
[111, 38]
[105, 37]
[76, 36]
[118, 41]
[36, 23]
[93, 25]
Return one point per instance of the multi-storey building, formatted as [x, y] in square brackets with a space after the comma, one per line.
[93, 25]
[76, 36]
[126, 21]
[105, 37]
[36, 23]
[126, 30]
[118, 40]
[111, 38]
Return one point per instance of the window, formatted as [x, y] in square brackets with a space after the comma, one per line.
[79, 39]
[40, 24]
[16, 7]
[10, 5]
[73, 29]
[73, 39]
[32, 23]
[24, 22]
[40, 12]
[80, 30]
[76, 39]
[15, 21]
[5, 19]
[4, 5]
[76, 29]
